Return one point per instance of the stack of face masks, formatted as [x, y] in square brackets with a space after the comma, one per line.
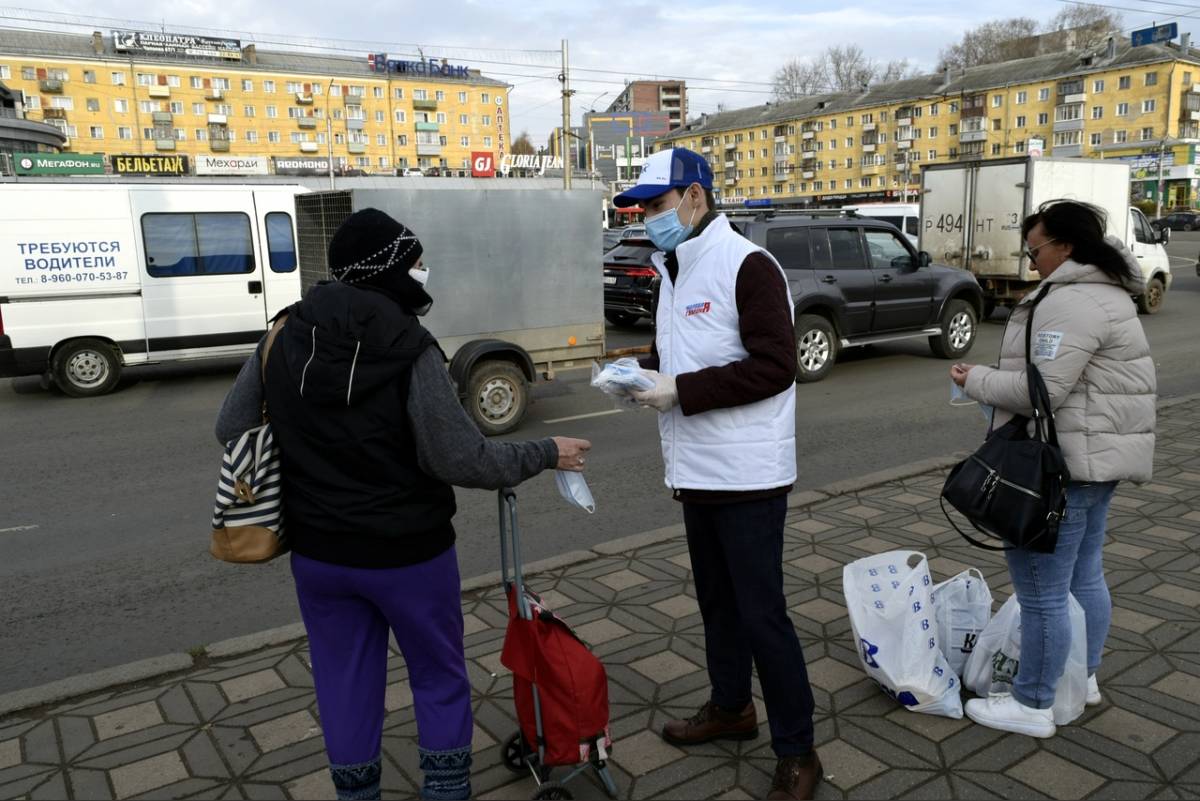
[620, 378]
[574, 489]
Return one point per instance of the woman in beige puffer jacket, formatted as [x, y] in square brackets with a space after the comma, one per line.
[1091, 350]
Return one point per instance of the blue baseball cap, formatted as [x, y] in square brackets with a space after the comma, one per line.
[664, 171]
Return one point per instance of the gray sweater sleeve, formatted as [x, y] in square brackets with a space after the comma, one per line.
[450, 446]
[242, 409]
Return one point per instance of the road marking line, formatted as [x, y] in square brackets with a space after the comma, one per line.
[1183, 259]
[16, 528]
[583, 416]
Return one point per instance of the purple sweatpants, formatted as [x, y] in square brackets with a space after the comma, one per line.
[348, 612]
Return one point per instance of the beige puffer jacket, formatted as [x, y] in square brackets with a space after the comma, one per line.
[1090, 348]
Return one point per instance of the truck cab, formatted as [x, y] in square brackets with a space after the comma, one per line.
[1147, 245]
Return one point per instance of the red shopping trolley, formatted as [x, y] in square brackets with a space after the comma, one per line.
[559, 686]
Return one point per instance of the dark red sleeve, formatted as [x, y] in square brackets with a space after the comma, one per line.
[768, 335]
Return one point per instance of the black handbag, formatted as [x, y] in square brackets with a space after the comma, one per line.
[1014, 488]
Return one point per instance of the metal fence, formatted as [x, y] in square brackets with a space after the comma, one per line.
[318, 216]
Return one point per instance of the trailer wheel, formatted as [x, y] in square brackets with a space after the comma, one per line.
[86, 368]
[1151, 302]
[497, 396]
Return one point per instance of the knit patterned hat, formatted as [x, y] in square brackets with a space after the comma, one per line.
[371, 248]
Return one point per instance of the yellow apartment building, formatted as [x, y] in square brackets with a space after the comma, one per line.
[229, 107]
[1140, 104]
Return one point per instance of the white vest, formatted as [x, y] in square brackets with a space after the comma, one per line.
[744, 448]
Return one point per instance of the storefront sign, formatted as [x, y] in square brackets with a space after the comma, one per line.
[150, 165]
[379, 62]
[231, 165]
[483, 165]
[298, 166]
[538, 163]
[176, 44]
[57, 164]
[500, 124]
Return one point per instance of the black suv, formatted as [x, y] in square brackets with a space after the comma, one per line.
[857, 281]
[630, 281]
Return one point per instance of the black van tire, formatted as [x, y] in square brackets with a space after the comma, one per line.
[86, 368]
[958, 321]
[497, 396]
[816, 348]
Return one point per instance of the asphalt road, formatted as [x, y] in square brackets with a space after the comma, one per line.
[104, 503]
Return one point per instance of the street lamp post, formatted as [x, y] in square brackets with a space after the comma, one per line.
[329, 132]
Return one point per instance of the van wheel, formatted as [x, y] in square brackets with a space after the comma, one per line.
[497, 395]
[959, 326]
[816, 348]
[1151, 301]
[86, 368]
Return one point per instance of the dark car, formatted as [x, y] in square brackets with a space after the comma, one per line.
[630, 280]
[857, 281]
[612, 238]
[1178, 221]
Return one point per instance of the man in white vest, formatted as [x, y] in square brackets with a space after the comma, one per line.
[724, 370]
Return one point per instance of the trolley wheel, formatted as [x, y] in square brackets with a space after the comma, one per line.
[515, 754]
[551, 790]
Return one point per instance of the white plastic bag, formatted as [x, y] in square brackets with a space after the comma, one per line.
[962, 607]
[891, 616]
[573, 487]
[997, 655]
[619, 379]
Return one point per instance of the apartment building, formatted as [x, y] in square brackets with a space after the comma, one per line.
[668, 97]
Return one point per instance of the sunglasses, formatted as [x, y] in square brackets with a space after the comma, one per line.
[1031, 253]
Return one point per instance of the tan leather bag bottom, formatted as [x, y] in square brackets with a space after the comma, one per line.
[246, 544]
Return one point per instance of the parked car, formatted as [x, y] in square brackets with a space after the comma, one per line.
[859, 281]
[1178, 221]
[630, 280]
[612, 238]
[411, 173]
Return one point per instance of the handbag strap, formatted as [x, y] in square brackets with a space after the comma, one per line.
[272, 335]
[965, 535]
[1039, 396]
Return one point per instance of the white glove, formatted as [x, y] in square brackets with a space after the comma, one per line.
[662, 397]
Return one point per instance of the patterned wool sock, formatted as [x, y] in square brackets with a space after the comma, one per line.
[356, 782]
[447, 774]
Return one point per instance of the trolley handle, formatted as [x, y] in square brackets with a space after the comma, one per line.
[509, 531]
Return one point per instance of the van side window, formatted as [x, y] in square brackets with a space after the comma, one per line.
[1141, 229]
[789, 246]
[281, 245]
[217, 243]
[910, 226]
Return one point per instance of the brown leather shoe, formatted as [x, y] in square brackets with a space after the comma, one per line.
[713, 723]
[796, 778]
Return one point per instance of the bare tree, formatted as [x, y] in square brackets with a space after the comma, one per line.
[992, 42]
[1084, 27]
[847, 68]
[798, 78]
[522, 145]
[896, 70]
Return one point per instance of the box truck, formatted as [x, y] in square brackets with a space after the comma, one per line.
[971, 215]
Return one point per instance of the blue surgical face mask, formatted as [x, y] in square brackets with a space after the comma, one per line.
[666, 230]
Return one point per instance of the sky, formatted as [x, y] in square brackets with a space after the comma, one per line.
[727, 49]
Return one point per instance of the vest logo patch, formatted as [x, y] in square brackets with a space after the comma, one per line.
[698, 308]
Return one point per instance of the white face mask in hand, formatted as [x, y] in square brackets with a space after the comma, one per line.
[573, 487]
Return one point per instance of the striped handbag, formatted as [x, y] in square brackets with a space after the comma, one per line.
[247, 524]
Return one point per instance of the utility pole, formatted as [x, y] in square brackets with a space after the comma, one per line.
[1158, 195]
[565, 79]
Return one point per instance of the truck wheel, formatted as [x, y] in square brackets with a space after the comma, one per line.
[497, 395]
[86, 368]
[816, 348]
[958, 331]
[1151, 302]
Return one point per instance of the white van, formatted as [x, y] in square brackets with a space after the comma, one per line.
[905, 216]
[96, 277]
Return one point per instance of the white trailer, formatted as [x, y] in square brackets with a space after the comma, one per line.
[94, 277]
[971, 216]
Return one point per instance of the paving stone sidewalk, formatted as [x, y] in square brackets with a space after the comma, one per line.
[247, 727]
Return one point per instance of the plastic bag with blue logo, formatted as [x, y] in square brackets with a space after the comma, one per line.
[889, 598]
[619, 379]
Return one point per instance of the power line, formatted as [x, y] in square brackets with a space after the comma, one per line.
[1126, 8]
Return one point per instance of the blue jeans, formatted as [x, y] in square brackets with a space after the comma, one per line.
[1043, 583]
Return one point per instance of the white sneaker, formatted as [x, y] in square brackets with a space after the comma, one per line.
[1002, 711]
[1093, 693]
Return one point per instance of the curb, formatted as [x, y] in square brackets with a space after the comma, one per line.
[160, 666]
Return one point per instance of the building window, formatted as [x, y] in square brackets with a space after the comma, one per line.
[997, 101]
[118, 78]
[377, 91]
[273, 137]
[487, 120]
[398, 94]
[1120, 137]
[146, 79]
[1022, 97]
[995, 149]
[1095, 139]
[1068, 138]
[463, 119]
[1068, 113]
[225, 109]
[147, 106]
[197, 82]
[1021, 120]
[198, 109]
[487, 141]
[462, 97]
[379, 116]
[996, 124]
[441, 118]
[402, 140]
[297, 137]
[381, 140]
[294, 113]
[176, 107]
[1122, 109]
[248, 111]
[93, 105]
[1043, 118]
[121, 106]
[1098, 86]
[252, 136]
[269, 87]
[1043, 95]
[6, 73]
[97, 132]
[953, 106]
[954, 129]
[1149, 105]
[485, 98]
[272, 112]
[247, 85]
[401, 115]
[1151, 79]
[464, 141]
[294, 87]
[1124, 82]
[420, 94]
[439, 95]
[1187, 79]
[1147, 134]
[1097, 112]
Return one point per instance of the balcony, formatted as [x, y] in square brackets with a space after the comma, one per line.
[429, 150]
[308, 147]
[164, 144]
[162, 118]
[356, 148]
[158, 91]
[706, 148]
[213, 93]
[54, 114]
[730, 163]
[307, 123]
[352, 100]
[1068, 151]
[50, 86]
[904, 122]
[219, 145]
[1077, 97]
[978, 110]
[303, 99]
[808, 134]
[868, 127]
[869, 147]
[355, 125]
[972, 136]
[1068, 125]
[427, 126]
[870, 169]
[781, 176]
[781, 137]
[905, 144]
[425, 105]
[730, 181]
[731, 145]
[808, 154]
[218, 119]
[1190, 116]
[808, 175]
